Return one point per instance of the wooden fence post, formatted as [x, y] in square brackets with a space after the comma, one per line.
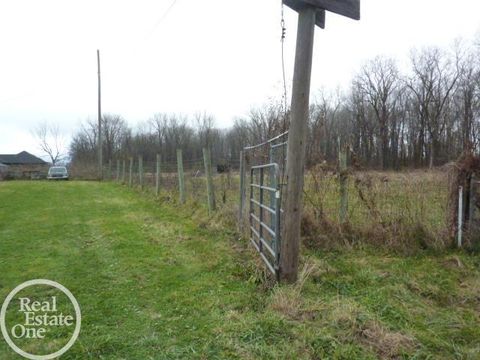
[130, 174]
[460, 217]
[118, 170]
[181, 177]
[157, 175]
[474, 214]
[242, 191]
[342, 162]
[208, 174]
[140, 171]
[124, 171]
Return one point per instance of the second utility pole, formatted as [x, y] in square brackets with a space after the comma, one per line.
[100, 139]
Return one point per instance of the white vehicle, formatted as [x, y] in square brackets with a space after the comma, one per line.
[57, 173]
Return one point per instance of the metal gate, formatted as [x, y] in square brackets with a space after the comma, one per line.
[265, 204]
[264, 214]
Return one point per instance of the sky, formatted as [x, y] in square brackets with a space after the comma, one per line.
[186, 56]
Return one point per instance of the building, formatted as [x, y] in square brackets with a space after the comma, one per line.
[23, 166]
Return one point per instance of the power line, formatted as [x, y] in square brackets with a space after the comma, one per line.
[164, 15]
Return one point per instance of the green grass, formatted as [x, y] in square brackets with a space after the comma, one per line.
[155, 282]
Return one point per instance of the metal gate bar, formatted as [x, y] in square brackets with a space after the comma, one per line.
[257, 237]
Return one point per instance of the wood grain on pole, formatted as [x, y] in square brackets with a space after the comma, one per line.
[290, 243]
[181, 177]
[100, 137]
[207, 161]
[157, 175]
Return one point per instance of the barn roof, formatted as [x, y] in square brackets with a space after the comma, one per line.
[22, 158]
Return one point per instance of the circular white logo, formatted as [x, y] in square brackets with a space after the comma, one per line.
[29, 309]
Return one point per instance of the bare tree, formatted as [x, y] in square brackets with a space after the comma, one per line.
[433, 81]
[50, 140]
[379, 81]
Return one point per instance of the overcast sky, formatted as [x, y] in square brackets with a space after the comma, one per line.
[218, 56]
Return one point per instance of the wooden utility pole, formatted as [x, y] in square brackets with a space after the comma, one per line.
[296, 144]
[100, 138]
[310, 12]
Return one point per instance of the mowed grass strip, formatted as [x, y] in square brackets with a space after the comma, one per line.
[149, 283]
[153, 284]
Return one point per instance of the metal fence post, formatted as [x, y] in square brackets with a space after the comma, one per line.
[157, 175]
[181, 177]
[208, 174]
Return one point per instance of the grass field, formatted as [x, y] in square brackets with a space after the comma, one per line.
[158, 281]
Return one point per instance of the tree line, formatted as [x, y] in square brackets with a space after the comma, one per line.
[422, 117]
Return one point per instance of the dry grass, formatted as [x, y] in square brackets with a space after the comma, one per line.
[387, 344]
[287, 299]
[405, 210]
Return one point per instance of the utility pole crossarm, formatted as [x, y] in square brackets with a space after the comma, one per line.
[348, 8]
[297, 5]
